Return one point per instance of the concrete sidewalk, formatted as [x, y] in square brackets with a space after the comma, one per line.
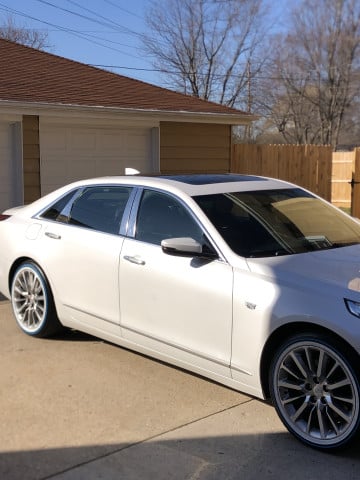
[79, 408]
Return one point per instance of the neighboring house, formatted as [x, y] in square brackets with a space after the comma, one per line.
[61, 120]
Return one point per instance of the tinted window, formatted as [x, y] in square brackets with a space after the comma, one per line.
[53, 212]
[161, 216]
[100, 208]
[278, 222]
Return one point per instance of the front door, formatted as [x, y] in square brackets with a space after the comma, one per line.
[175, 305]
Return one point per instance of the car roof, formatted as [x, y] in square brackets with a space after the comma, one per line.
[182, 185]
[195, 184]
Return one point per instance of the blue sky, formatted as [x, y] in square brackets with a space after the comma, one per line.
[113, 33]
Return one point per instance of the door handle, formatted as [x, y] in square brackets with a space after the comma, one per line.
[53, 235]
[136, 259]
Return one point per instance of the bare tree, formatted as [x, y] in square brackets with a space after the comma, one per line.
[204, 46]
[315, 71]
[21, 34]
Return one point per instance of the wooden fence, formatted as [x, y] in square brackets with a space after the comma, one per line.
[307, 165]
[334, 176]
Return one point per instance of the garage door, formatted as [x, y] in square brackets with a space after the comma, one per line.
[11, 182]
[72, 152]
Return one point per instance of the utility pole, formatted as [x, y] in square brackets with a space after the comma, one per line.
[249, 99]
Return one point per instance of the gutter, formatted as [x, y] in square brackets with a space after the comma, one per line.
[112, 113]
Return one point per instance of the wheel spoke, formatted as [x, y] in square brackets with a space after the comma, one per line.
[320, 420]
[309, 359]
[343, 399]
[290, 372]
[299, 363]
[292, 399]
[22, 307]
[342, 383]
[339, 412]
[321, 364]
[38, 316]
[290, 385]
[333, 423]
[309, 422]
[300, 410]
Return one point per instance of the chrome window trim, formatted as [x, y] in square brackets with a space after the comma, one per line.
[125, 222]
[134, 212]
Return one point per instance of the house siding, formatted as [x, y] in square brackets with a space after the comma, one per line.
[194, 148]
[31, 158]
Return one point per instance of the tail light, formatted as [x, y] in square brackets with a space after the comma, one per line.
[4, 217]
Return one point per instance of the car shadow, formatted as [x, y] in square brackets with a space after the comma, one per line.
[173, 457]
[70, 335]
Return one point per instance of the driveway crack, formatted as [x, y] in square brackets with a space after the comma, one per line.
[147, 439]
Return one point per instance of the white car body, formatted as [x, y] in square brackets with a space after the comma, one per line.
[213, 317]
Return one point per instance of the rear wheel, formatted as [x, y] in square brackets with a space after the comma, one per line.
[32, 302]
[315, 391]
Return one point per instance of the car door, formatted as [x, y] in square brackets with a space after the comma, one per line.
[176, 305]
[83, 242]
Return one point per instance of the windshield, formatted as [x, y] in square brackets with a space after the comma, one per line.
[278, 222]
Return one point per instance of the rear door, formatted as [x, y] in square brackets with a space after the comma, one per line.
[83, 244]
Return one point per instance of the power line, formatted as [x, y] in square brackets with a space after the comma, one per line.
[84, 36]
[107, 23]
[122, 9]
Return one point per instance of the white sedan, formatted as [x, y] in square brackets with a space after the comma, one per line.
[252, 282]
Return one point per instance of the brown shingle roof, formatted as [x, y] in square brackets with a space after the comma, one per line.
[29, 75]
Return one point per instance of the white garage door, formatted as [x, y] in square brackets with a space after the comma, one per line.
[72, 152]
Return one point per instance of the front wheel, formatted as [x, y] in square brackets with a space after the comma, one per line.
[315, 391]
[32, 302]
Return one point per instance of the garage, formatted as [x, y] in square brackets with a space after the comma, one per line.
[71, 152]
[62, 121]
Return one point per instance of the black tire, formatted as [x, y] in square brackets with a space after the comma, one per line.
[33, 303]
[315, 389]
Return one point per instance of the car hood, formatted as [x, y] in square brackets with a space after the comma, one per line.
[334, 268]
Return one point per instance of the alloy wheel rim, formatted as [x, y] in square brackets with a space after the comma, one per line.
[29, 301]
[317, 393]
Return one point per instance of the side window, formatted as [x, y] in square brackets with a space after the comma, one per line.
[100, 208]
[54, 211]
[161, 216]
[241, 230]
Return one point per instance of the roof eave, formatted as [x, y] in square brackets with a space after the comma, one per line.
[53, 109]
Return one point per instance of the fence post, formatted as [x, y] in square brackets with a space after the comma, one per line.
[355, 197]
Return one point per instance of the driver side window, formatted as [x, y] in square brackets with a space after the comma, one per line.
[161, 217]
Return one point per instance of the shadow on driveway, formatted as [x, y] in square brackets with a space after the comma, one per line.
[250, 457]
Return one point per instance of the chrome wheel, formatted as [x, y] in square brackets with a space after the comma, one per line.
[32, 302]
[316, 393]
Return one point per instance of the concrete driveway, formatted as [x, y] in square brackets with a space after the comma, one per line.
[80, 408]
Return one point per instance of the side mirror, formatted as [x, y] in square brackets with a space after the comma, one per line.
[186, 247]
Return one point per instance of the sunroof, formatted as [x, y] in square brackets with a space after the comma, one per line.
[205, 179]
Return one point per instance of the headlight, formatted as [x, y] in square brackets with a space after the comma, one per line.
[353, 307]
